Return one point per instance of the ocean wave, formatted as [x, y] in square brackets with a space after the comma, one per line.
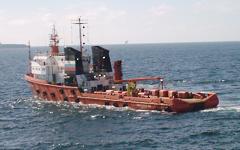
[202, 82]
[137, 118]
[224, 108]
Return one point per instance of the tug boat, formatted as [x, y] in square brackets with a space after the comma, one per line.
[70, 76]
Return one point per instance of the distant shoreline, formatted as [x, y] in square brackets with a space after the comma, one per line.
[12, 45]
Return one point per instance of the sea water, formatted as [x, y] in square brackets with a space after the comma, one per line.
[27, 123]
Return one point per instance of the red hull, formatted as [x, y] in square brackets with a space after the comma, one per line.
[42, 90]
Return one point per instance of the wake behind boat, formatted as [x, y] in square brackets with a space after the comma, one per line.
[74, 76]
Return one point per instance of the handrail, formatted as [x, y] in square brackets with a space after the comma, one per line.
[138, 79]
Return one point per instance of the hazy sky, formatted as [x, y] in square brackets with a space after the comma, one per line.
[115, 21]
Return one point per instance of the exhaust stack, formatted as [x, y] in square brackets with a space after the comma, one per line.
[118, 70]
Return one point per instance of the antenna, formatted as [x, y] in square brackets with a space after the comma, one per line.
[29, 50]
[80, 23]
[29, 57]
[71, 35]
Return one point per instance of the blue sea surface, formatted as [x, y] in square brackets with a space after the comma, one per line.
[27, 123]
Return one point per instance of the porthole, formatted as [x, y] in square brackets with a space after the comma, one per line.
[53, 94]
[65, 99]
[125, 104]
[73, 92]
[77, 100]
[61, 91]
[44, 93]
[115, 105]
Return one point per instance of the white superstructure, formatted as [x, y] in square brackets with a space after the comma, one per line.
[49, 68]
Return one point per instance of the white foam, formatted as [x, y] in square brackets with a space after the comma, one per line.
[82, 111]
[236, 108]
[81, 105]
[213, 109]
[94, 116]
[223, 108]
[137, 118]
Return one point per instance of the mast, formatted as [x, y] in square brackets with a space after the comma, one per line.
[80, 23]
[29, 51]
[29, 57]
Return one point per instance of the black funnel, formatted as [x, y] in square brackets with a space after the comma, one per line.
[72, 54]
[101, 59]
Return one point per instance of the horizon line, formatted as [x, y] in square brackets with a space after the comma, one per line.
[135, 43]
